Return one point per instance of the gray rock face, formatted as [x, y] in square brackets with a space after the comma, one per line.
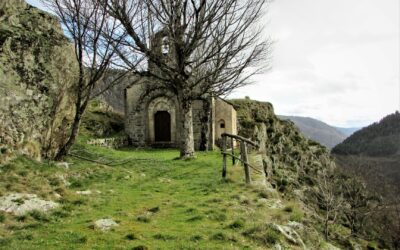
[290, 234]
[37, 69]
[105, 224]
[20, 204]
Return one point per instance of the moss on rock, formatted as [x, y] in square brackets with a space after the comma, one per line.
[294, 159]
[37, 68]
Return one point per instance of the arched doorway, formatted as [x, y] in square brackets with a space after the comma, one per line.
[162, 126]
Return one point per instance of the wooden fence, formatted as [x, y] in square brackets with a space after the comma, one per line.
[243, 156]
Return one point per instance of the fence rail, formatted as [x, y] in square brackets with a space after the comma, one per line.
[243, 157]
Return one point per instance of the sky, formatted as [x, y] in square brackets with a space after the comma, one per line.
[333, 60]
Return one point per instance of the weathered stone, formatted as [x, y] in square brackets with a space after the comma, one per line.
[37, 68]
[290, 234]
[291, 159]
[63, 179]
[85, 192]
[328, 246]
[64, 165]
[112, 142]
[20, 204]
[105, 224]
[272, 203]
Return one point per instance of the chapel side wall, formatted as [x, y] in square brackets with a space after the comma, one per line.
[135, 116]
[224, 112]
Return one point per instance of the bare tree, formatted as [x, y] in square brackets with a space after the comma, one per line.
[359, 203]
[210, 47]
[328, 197]
[88, 26]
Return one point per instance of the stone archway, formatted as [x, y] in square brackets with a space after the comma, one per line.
[162, 126]
[161, 115]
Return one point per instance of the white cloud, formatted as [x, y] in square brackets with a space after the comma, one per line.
[337, 61]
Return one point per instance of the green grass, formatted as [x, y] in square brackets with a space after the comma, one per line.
[158, 201]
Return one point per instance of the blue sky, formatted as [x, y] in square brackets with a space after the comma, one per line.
[334, 60]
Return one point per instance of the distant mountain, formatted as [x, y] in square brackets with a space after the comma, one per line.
[317, 130]
[381, 139]
[347, 131]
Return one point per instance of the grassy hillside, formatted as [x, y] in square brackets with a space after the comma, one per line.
[158, 202]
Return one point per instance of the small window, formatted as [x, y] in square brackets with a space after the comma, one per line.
[165, 45]
[222, 125]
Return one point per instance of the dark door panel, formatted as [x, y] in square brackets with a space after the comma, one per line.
[162, 126]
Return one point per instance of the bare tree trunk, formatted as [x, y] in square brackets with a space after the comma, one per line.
[80, 109]
[205, 126]
[326, 226]
[187, 141]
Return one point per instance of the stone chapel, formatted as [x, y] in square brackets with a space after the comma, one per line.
[152, 115]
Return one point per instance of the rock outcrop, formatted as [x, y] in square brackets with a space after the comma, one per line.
[293, 159]
[37, 69]
[20, 204]
[105, 224]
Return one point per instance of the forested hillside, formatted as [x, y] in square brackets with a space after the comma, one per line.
[379, 139]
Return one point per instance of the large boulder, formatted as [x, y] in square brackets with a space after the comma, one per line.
[37, 70]
[293, 159]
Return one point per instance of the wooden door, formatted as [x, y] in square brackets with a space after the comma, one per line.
[162, 126]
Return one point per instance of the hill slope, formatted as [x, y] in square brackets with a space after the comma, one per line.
[317, 130]
[373, 153]
[348, 131]
[380, 139]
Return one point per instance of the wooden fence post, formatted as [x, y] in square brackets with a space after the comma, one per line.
[224, 156]
[243, 150]
[233, 152]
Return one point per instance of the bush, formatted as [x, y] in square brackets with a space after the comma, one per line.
[24, 236]
[271, 236]
[288, 208]
[164, 237]
[265, 234]
[130, 236]
[195, 218]
[219, 236]
[237, 224]
[297, 216]
[39, 216]
[217, 217]
[2, 217]
[60, 213]
[20, 218]
[263, 194]
[154, 209]
[143, 218]
[140, 247]
[196, 238]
